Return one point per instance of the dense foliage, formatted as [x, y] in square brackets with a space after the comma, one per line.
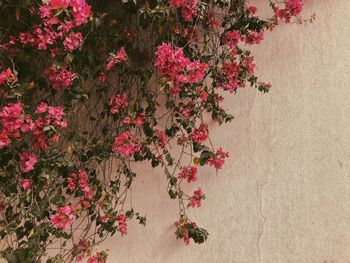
[88, 88]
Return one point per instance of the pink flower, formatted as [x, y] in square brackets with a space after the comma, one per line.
[27, 161]
[12, 110]
[7, 77]
[57, 4]
[127, 120]
[292, 8]
[93, 259]
[11, 120]
[218, 159]
[81, 11]
[185, 112]
[162, 137]
[55, 117]
[72, 41]
[203, 95]
[188, 173]
[231, 71]
[105, 219]
[196, 198]
[82, 179]
[139, 121]
[248, 63]
[63, 217]
[26, 184]
[60, 78]
[195, 72]
[116, 59]
[186, 237]
[45, 11]
[80, 249]
[173, 64]
[177, 3]
[295, 6]
[41, 108]
[4, 140]
[254, 37]
[49, 115]
[117, 103]
[170, 62]
[189, 8]
[28, 125]
[232, 38]
[71, 182]
[126, 144]
[252, 10]
[122, 224]
[200, 134]
[264, 85]
[98, 258]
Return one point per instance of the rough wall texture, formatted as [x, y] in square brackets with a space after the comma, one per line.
[284, 195]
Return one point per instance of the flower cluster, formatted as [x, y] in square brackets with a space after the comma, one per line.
[115, 59]
[54, 31]
[189, 173]
[196, 198]
[27, 161]
[98, 258]
[172, 64]
[7, 77]
[60, 78]
[67, 152]
[218, 159]
[126, 144]
[82, 180]
[26, 184]
[63, 217]
[117, 103]
[200, 134]
[122, 224]
[81, 11]
[188, 8]
[11, 121]
[292, 8]
[72, 41]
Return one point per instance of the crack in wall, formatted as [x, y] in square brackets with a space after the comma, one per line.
[262, 218]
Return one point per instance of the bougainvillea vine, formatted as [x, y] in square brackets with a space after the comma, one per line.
[88, 88]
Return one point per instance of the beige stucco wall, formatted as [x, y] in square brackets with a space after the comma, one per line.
[284, 195]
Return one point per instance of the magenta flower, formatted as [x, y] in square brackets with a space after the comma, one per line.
[126, 144]
[188, 173]
[200, 134]
[27, 161]
[63, 218]
[7, 77]
[218, 159]
[117, 103]
[60, 78]
[122, 224]
[116, 59]
[26, 184]
[57, 4]
[172, 64]
[72, 41]
[4, 140]
[196, 198]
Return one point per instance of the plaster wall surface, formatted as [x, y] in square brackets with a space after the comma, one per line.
[284, 195]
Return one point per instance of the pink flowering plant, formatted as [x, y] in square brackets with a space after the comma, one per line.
[88, 88]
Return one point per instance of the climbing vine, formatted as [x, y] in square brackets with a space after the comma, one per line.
[88, 88]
